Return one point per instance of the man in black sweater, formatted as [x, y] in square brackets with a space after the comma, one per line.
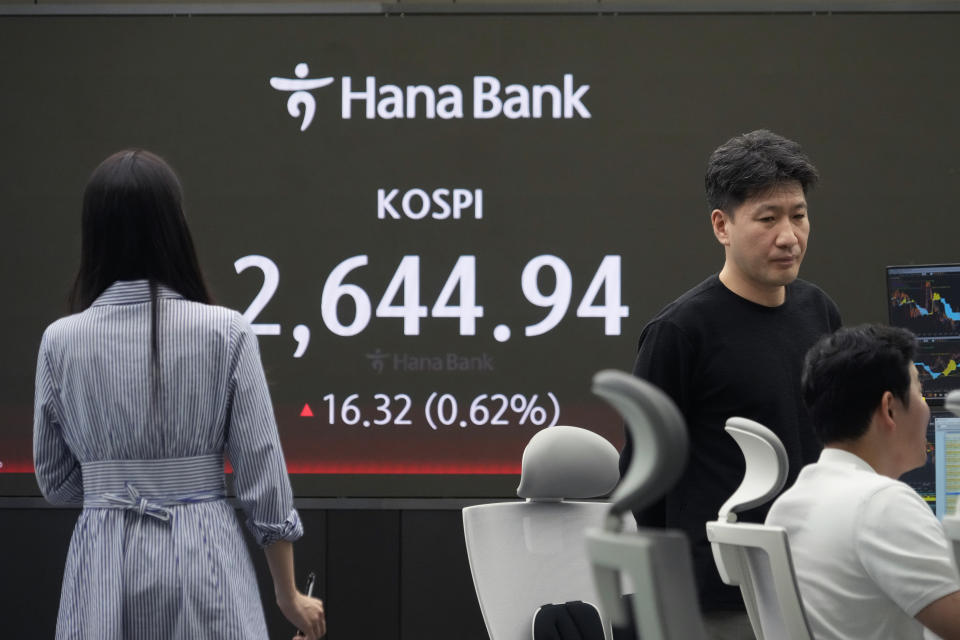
[734, 346]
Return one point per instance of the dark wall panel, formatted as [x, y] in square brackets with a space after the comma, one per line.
[363, 574]
[437, 598]
[33, 550]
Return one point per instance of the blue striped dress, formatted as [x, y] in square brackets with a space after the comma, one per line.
[157, 551]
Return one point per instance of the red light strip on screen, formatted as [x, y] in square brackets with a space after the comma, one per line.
[408, 468]
[368, 468]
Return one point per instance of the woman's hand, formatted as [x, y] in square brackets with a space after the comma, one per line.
[305, 613]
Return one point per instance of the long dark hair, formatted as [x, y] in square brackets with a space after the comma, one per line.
[133, 228]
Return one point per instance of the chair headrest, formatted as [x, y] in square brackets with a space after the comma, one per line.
[952, 403]
[766, 466]
[567, 462]
[659, 439]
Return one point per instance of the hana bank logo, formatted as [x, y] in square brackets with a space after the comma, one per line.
[301, 86]
[487, 98]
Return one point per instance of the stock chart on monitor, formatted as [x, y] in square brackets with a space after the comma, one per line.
[926, 300]
[937, 366]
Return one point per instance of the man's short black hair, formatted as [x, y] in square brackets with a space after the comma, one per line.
[845, 375]
[752, 163]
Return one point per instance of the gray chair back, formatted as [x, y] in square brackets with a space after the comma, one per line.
[656, 562]
[527, 554]
[757, 557]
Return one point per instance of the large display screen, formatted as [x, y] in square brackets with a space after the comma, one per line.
[442, 226]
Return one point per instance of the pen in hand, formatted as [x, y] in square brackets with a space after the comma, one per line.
[311, 581]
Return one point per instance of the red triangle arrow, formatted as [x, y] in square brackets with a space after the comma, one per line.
[307, 412]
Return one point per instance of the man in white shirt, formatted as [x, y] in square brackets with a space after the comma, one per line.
[871, 559]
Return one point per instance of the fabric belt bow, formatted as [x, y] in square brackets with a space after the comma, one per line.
[135, 502]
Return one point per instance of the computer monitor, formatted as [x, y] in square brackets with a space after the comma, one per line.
[926, 300]
[947, 455]
[924, 479]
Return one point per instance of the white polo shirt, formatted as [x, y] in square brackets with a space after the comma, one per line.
[868, 551]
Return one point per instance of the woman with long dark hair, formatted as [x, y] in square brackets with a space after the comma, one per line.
[139, 396]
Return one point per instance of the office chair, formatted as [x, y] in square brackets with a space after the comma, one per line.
[952, 403]
[754, 556]
[527, 554]
[656, 562]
